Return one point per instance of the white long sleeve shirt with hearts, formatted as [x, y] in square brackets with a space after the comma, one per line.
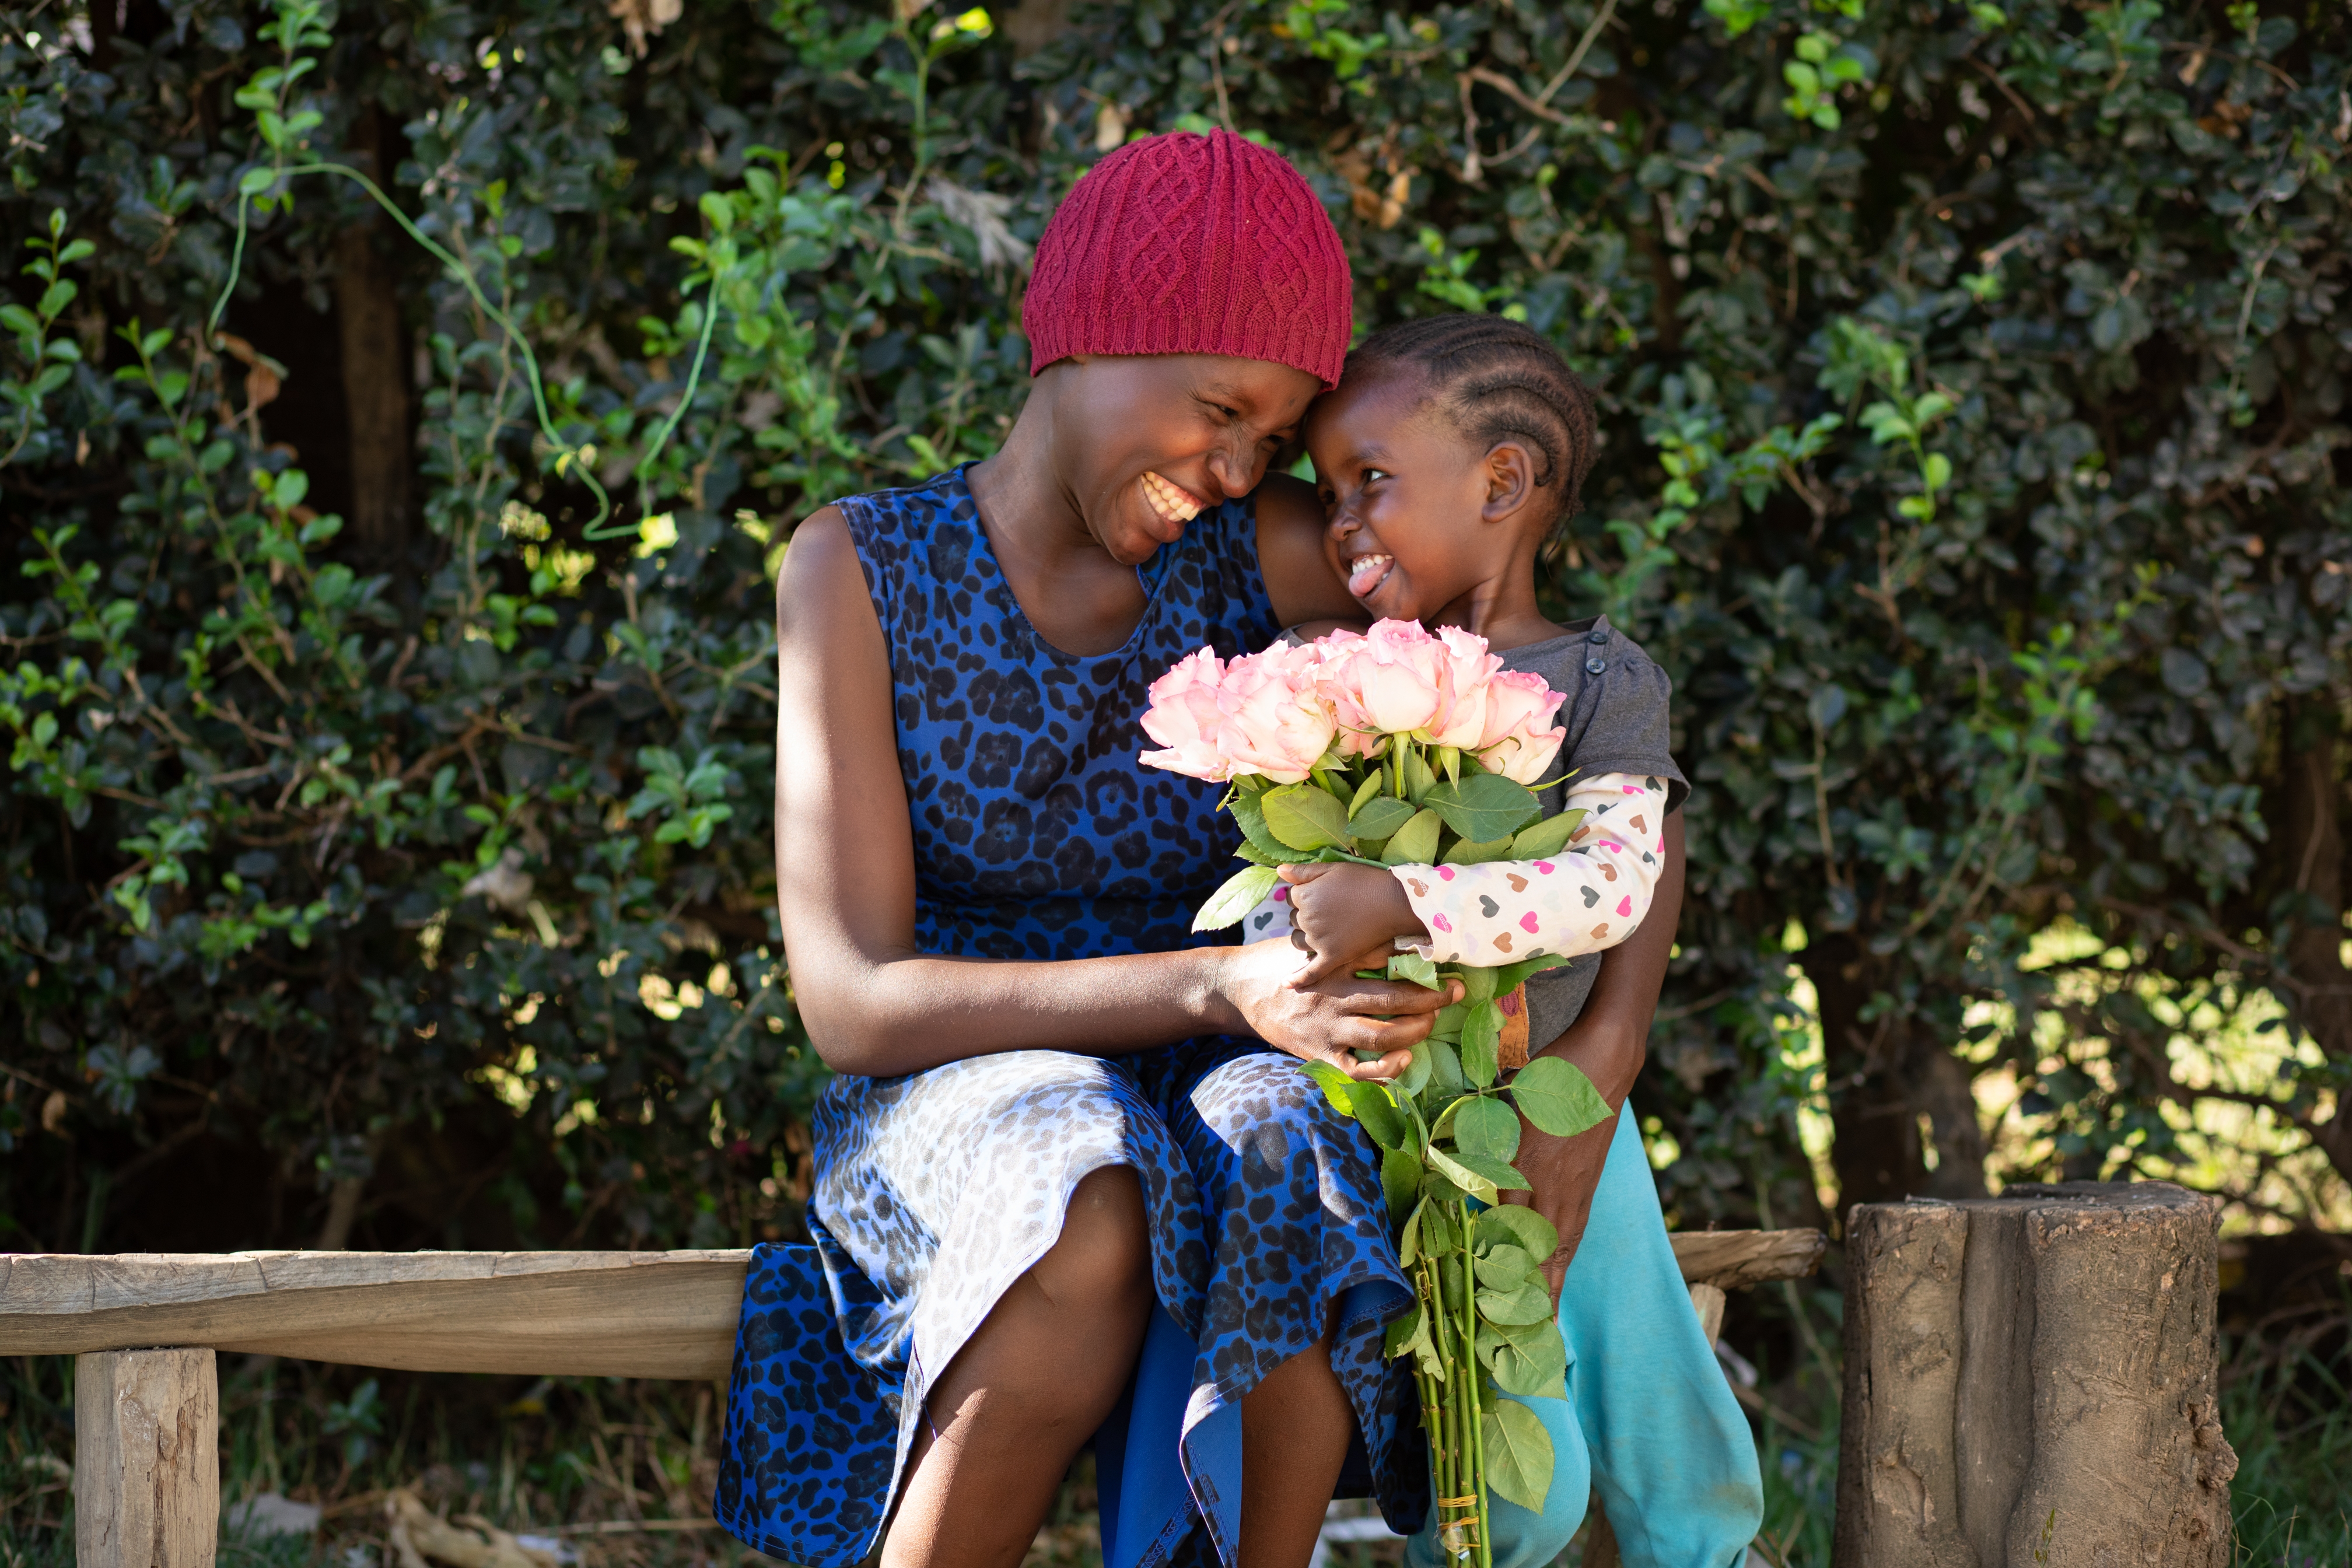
[1585, 899]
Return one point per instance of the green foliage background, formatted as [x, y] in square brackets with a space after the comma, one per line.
[1973, 380]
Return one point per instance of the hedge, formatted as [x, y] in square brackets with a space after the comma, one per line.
[388, 849]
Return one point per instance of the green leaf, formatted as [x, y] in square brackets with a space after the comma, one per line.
[1525, 1303]
[1366, 791]
[1378, 1113]
[1415, 844]
[1251, 818]
[1519, 1453]
[1466, 853]
[1408, 1238]
[1511, 976]
[1445, 1069]
[1334, 1086]
[1381, 818]
[1477, 983]
[1412, 966]
[1516, 1225]
[1305, 817]
[1557, 1098]
[1531, 1362]
[1476, 1174]
[1483, 807]
[1241, 893]
[1400, 1175]
[1548, 837]
[1505, 1269]
[1416, 1077]
[256, 181]
[1488, 1127]
[1482, 1037]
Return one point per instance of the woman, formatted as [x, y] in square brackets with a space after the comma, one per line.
[1058, 1127]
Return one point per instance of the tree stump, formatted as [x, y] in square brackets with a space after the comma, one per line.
[146, 1460]
[2030, 1382]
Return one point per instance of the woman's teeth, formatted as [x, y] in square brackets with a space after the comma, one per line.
[1366, 572]
[1172, 501]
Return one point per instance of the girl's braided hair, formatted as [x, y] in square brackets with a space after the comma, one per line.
[1499, 380]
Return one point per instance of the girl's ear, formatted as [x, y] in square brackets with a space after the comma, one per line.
[1510, 482]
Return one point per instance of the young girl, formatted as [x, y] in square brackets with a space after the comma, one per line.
[1452, 449]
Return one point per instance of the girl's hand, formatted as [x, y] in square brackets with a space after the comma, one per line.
[1329, 1022]
[1343, 909]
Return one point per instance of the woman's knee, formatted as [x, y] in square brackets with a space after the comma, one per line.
[1102, 1264]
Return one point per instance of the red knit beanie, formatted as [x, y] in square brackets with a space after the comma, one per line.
[1183, 243]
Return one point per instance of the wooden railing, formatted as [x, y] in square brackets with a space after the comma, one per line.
[147, 1327]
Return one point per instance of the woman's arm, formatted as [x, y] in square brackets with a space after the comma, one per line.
[845, 887]
[1299, 576]
[1609, 1041]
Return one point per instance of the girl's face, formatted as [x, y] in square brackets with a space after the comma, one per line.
[1407, 496]
[1148, 441]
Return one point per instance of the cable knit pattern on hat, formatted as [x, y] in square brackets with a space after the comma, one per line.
[1187, 244]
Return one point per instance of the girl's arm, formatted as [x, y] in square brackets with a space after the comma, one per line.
[1610, 1040]
[1585, 900]
[876, 1006]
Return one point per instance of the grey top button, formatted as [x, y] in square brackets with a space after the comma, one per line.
[1597, 635]
[1595, 666]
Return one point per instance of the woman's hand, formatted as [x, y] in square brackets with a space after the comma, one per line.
[1330, 1021]
[1343, 909]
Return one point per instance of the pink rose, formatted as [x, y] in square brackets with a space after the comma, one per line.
[1390, 682]
[1184, 718]
[1273, 719]
[1469, 672]
[1519, 741]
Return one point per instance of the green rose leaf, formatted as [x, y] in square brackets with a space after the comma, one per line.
[1527, 1303]
[1518, 1455]
[1415, 1079]
[1511, 976]
[1238, 897]
[1557, 1098]
[1548, 837]
[1486, 1126]
[1305, 819]
[1465, 853]
[1400, 1179]
[1408, 1238]
[1415, 844]
[1516, 1225]
[1381, 818]
[1482, 1037]
[1379, 1113]
[1483, 807]
[1445, 1069]
[1412, 966]
[1479, 1176]
[1370, 789]
[1250, 816]
[1477, 984]
[1505, 1269]
[1336, 1087]
[1533, 1367]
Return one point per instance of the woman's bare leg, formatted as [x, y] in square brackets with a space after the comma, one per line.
[1030, 1387]
[1295, 1430]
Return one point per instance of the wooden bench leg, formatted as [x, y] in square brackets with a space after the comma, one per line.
[146, 1459]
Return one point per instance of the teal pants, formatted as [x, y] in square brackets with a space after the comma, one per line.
[1649, 1420]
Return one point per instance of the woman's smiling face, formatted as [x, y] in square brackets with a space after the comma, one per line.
[1149, 441]
[1404, 490]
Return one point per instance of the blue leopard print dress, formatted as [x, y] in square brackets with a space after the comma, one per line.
[1038, 835]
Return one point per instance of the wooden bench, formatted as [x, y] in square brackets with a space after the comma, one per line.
[148, 1326]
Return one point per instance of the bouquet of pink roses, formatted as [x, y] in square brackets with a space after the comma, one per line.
[1401, 747]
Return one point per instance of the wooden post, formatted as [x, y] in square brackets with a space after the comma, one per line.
[146, 1459]
[2030, 1382]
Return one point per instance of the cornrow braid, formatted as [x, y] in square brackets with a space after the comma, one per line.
[1499, 380]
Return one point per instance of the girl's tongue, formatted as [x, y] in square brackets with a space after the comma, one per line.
[1366, 572]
